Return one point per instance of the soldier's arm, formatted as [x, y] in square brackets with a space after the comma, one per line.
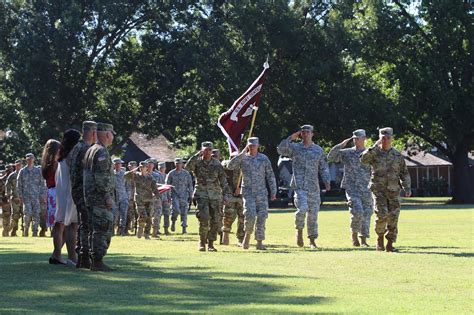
[367, 156]
[223, 183]
[236, 161]
[189, 185]
[405, 179]
[337, 151]
[8, 186]
[270, 177]
[324, 170]
[103, 177]
[286, 147]
[191, 164]
[19, 184]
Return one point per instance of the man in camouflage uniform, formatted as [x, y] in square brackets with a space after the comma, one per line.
[181, 193]
[234, 208]
[121, 198]
[31, 187]
[210, 191]
[388, 174]
[6, 209]
[12, 195]
[157, 202]
[99, 196]
[146, 191]
[165, 202]
[130, 188]
[309, 161]
[356, 184]
[257, 173]
[89, 136]
[216, 154]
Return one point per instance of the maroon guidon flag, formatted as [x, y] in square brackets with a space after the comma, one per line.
[234, 122]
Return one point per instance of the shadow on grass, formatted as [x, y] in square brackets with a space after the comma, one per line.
[30, 285]
[434, 250]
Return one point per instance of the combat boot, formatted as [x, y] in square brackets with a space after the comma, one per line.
[154, 234]
[312, 243]
[363, 241]
[184, 230]
[140, 232]
[43, 233]
[13, 232]
[202, 244]
[246, 241]
[225, 238]
[100, 266]
[173, 225]
[380, 246]
[83, 261]
[166, 231]
[35, 233]
[389, 247]
[299, 238]
[147, 236]
[240, 242]
[220, 237]
[355, 240]
[260, 245]
[25, 233]
[210, 247]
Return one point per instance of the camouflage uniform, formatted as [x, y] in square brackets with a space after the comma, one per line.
[12, 195]
[234, 207]
[6, 209]
[31, 187]
[210, 189]
[76, 176]
[145, 191]
[157, 202]
[308, 162]
[181, 194]
[121, 199]
[165, 198]
[131, 214]
[98, 189]
[388, 173]
[257, 172]
[355, 182]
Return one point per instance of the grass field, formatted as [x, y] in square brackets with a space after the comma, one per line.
[432, 273]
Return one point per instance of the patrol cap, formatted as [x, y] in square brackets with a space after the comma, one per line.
[89, 125]
[143, 163]
[132, 163]
[105, 127]
[178, 160]
[29, 156]
[207, 145]
[359, 133]
[161, 164]
[252, 141]
[152, 160]
[19, 162]
[117, 160]
[387, 131]
[307, 128]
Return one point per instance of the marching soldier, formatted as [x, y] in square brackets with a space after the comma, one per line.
[12, 195]
[121, 197]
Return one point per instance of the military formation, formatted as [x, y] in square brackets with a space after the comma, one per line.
[111, 200]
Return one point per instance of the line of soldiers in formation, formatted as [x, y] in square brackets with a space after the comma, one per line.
[224, 191]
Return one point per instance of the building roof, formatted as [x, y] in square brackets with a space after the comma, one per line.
[420, 159]
[140, 147]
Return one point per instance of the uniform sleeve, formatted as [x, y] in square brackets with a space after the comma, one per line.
[189, 185]
[9, 186]
[270, 177]
[367, 156]
[19, 184]
[236, 162]
[104, 183]
[335, 154]
[404, 175]
[223, 181]
[324, 169]
[285, 148]
[191, 164]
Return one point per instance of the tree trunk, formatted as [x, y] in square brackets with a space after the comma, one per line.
[462, 177]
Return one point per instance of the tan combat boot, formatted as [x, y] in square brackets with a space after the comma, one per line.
[389, 247]
[260, 245]
[380, 246]
[246, 241]
[355, 240]
[363, 241]
[225, 238]
[154, 234]
[299, 238]
[312, 243]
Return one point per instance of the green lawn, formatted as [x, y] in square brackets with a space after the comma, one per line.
[432, 273]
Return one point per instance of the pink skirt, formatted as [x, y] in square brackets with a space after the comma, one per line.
[51, 203]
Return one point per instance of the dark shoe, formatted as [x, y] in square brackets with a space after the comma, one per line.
[54, 261]
[167, 232]
[42, 233]
[173, 225]
[389, 247]
[35, 234]
[260, 246]
[100, 266]
[380, 245]
[355, 240]
[83, 262]
[202, 244]
[240, 242]
[147, 236]
[299, 238]
[210, 247]
[363, 241]
[184, 230]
